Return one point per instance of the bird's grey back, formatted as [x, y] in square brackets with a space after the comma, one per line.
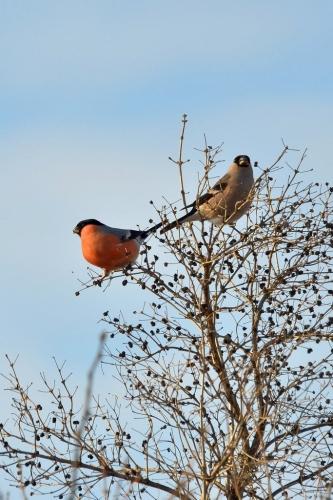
[123, 234]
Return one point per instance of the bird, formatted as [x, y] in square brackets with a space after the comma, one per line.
[110, 248]
[226, 201]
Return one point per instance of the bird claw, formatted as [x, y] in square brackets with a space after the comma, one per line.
[102, 278]
[98, 282]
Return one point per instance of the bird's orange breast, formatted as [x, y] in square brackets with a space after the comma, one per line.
[106, 250]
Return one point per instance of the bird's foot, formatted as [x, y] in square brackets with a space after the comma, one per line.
[100, 280]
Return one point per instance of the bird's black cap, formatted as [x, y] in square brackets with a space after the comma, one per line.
[80, 225]
[242, 160]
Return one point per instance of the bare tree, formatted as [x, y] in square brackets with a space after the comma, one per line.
[226, 369]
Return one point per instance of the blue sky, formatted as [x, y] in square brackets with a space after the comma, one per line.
[91, 94]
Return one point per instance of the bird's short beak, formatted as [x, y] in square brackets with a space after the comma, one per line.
[243, 161]
[76, 230]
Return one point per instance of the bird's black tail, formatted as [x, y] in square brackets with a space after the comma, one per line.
[167, 227]
[151, 230]
[178, 222]
[173, 224]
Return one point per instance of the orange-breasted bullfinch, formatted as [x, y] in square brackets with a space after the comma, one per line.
[110, 248]
[226, 201]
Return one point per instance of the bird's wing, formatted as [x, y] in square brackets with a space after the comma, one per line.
[131, 234]
[123, 234]
[218, 187]
[222, 183]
